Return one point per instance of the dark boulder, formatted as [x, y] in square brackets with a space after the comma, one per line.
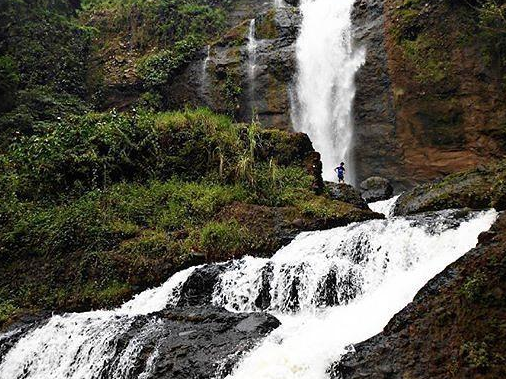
[346, 193]
[189, 342]
[376, 188]
[294, 3]
[199, 287]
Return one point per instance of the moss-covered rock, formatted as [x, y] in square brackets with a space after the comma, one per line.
[480, 188]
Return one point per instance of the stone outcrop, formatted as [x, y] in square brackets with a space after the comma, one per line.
[479, 188]
[346, 193]
[452, 329]
[194, 342]
[376, 188]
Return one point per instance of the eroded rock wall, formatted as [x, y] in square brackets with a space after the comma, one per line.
[224, 84]
[430, 97]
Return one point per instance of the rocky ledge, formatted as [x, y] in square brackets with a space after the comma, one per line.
[480, 188]
[454, 328]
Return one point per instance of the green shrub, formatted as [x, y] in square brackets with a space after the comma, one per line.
[7, 309]
[158, 69]
[222, 239]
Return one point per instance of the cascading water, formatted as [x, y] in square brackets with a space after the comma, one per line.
[334, 288]
[329, 289]
[327, 63]
[252, 60]
[83, 345]
[205, 63]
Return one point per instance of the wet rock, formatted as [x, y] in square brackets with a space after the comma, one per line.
[337, 289]
[263, 301]
[189, 342]
[198, 289]
[346, 193]
[451, 329]
[376, 188]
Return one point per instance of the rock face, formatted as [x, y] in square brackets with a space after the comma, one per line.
[376, 188]
[376, 151]
[476, 189]
[346, 193]
[227, 82]
[430, 96]
[452, 329]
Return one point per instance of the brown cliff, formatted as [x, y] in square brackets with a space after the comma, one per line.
[430, 98]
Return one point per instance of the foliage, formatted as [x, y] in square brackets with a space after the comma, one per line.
[159, 68]
[222, 238]
[9, 81]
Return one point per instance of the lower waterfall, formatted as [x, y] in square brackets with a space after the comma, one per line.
[330, 289]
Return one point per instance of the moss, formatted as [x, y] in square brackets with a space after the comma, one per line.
[222, 239]
[7, 310]
[432, 65]
[266, 26]
[473, 287]
[476, 354]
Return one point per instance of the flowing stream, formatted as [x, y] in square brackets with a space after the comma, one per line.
[329, 289]
[327, 62]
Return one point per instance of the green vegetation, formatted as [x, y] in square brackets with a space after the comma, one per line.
[95, 207]
[476, 354]
[143, 44]
[473, 287]
[432, 65]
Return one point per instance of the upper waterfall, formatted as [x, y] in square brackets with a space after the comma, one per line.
[327, 62]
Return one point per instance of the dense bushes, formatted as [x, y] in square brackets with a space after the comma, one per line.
[93, 151]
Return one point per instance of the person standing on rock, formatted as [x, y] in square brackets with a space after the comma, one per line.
[340, 172]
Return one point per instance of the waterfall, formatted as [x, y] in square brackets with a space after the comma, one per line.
[252, 59]
[348, 283]
[203, 75]
[329, 289]
[327, 63]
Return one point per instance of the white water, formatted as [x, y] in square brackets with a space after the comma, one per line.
[252, 63]
[327, 63]
[385, 206]
[329, 289]
[379, 266]
[82, 345]
[204, 79]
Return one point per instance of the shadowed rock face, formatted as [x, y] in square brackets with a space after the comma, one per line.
[452, 329]
[376, 188]
[376, 150]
